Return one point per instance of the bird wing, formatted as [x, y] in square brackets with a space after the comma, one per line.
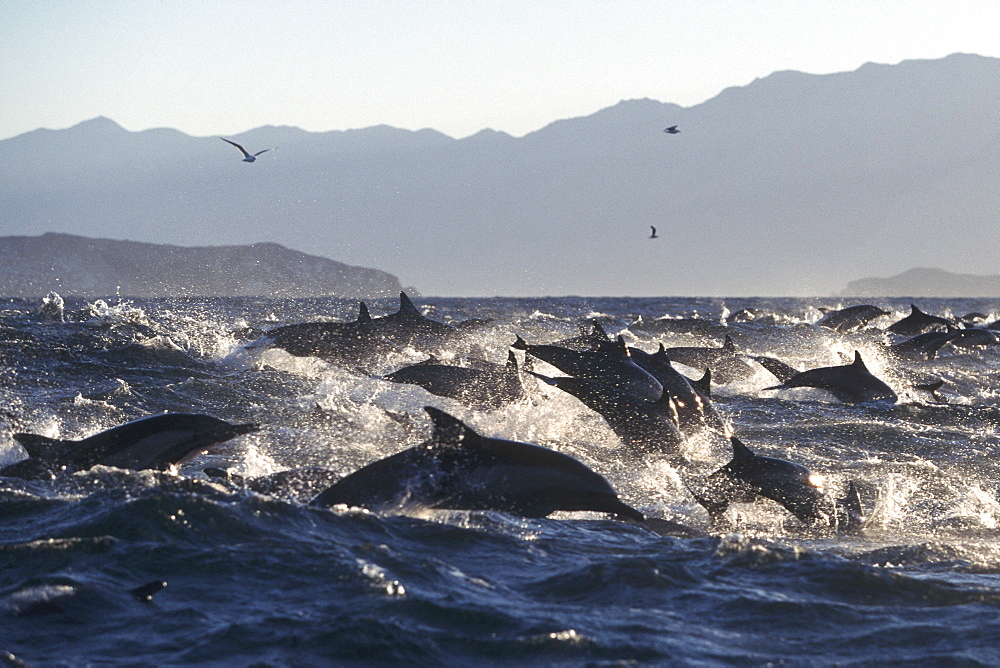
[242, 150]
[264, 151]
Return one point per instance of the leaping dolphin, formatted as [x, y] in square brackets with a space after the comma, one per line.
[157, 442]
[642, 425]
[409, 327]
[247, 157]
[851, 383]
[919, 322]
[726, 362]
[610, 364]
[459, 469]
[481, 388]
[356, 343]
[749, 476]
[850, 318]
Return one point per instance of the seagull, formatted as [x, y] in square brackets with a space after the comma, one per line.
[672, 130]
[246, 156]
[652, 234]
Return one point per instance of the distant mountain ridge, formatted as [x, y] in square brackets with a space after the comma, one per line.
[794, 184]
[925, 282]
[75, 265]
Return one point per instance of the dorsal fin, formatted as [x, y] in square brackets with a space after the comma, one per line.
[729, 345]
[406, 306]
[616, 347]
[703, 385]
[519, 343]
[363, 314]
[662, 354]
[599, 331]
[915, 311]
[511, 361]
[449, 431]
[852, 501]
[42, 447]
[858, 362]
[740, 451]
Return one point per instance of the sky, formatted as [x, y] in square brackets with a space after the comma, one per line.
[207, 67]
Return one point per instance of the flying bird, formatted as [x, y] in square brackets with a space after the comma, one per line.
[247, 157]
[672, 130]
[652, 234]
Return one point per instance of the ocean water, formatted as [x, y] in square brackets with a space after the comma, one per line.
[265, 579]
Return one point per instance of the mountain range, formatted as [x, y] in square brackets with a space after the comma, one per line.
[794, 184]
[74, 265]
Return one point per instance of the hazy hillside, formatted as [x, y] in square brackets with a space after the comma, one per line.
[73, 265]
[794, 184]
[925, 282]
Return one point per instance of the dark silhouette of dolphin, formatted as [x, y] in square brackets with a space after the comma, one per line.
[156, 442]
[488, 388]
[409, 327]
[652, 233]
[672, 130]
[591, 339]
[850, 318]
[643, 426]
[609, 364]
[919, 322]
[922, 346]
[749, 476]
[691, 398]
[357, 343]
[247, 157]
[459, 469]
[726, 362]
[850, 383]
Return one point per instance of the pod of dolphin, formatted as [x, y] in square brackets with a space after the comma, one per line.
[651, 407]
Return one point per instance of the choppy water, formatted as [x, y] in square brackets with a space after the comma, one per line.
[258, 579]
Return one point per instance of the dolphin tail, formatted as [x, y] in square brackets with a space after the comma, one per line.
[780, 370]
[715, 508]
[42, 447]
[932, 389]
[849, 512]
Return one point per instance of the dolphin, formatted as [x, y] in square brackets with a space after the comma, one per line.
[460, 469]
[749, 476]
[409, 327]
[609, 364]
[974, 337]
[692, 326]
[481, 388]
[590, 339]
[850, 318]
[922, 346]
[157, 442]
[850, 383]
[725, 362]
[247, 157]
[691, 398]
[919, 322]
[357, 342]
[642, 425]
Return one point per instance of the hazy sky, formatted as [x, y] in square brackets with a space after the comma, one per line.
[208, 67]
